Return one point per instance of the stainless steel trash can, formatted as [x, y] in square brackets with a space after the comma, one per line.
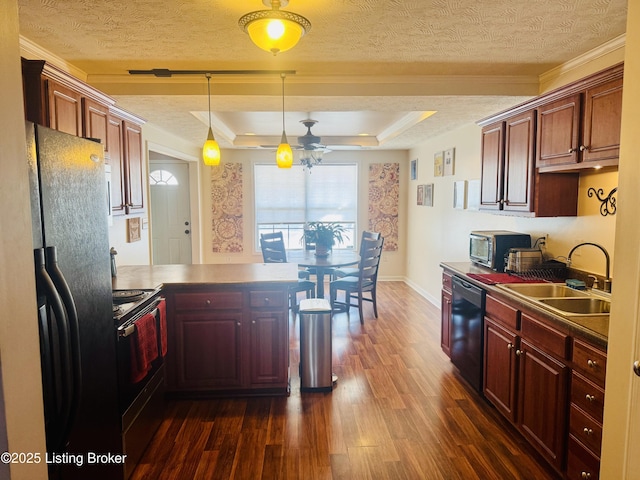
[315, 345]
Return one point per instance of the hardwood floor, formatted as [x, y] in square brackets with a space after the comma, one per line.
[398, 411]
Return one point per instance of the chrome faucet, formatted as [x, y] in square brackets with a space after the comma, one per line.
[607, 281]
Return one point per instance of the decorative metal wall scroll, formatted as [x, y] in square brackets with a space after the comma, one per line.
[608, 203]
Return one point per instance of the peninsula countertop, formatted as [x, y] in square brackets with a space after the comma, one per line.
[150, 277]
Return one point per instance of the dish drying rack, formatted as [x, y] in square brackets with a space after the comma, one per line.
[547, 271]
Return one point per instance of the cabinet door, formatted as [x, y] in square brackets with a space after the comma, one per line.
[269, 349]
[115, 137]
[134, 171]
[602, 118]
[95, 124]
[542, 404]
[519, 162]
[492, 166]
[558, 132]
[65, 109]
[500, 368]
[445, 335]
[208, 350]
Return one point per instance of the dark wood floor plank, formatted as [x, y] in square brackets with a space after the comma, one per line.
[399, 411]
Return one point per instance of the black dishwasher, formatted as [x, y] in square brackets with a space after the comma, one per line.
[467, 332]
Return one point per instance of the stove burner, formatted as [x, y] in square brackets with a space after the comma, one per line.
[127, 296]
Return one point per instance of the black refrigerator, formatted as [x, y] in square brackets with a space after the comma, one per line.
[69, 208]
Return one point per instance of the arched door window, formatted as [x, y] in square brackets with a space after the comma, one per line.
[162, 177]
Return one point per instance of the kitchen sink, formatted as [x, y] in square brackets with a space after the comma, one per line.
[561, 299]
[543, 290]
[582, 306]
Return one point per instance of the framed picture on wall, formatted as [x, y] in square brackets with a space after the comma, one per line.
[449, 161]
[438, 164]
[460, 194]
[420, 196]
[414, 169]
[428, 195]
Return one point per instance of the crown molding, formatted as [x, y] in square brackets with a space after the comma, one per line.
[578, 62]
[33, 51]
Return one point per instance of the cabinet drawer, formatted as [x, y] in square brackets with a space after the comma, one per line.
[590, 362]
[545, 337]
[585, 429]
[446, 281]
[581, 463]
[208, 300]
[587, 396]
[267, 298]
[503, 313]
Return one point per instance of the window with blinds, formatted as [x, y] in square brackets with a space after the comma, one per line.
[286, 199]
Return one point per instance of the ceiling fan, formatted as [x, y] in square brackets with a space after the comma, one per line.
[309, 145]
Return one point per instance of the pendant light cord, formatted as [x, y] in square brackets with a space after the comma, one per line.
[282, 75]
[208, 75]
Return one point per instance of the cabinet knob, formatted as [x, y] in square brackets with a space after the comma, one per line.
[587, 431]
[267, 300]
[584, 148]
[510, 346]
[585, 475]
[238, 324]
[590, 398]
[572, 150]
[592, 363]
[253, 321]
[636, 367]
[519, 352]
[207, 302]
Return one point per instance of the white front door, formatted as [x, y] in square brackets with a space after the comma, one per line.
[170, 213]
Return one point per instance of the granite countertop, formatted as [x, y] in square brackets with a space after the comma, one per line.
[150, 277]
[594, 329]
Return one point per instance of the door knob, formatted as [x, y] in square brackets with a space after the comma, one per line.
[636, 367]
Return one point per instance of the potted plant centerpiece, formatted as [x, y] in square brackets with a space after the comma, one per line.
[324, 235]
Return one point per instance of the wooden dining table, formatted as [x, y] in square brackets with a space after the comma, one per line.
[335, 259]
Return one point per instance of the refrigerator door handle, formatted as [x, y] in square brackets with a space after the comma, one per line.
[73, 327]
[60, 404]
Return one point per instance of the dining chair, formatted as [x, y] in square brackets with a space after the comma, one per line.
[273, 251]
[365, 282]
[353, 271]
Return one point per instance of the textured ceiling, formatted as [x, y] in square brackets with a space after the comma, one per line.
[464, 59]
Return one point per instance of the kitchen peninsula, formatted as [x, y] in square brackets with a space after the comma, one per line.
[227, 325]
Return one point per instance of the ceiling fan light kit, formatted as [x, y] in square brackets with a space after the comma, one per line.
[274, 30]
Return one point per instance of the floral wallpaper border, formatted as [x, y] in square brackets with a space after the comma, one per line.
[384, 197]
[226, 209]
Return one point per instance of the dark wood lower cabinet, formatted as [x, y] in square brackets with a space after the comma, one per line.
[500, 368]
[228, 340]
[542, 405]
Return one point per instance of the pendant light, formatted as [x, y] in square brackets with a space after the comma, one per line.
[274, 30]
[284, 155]
[211, 149]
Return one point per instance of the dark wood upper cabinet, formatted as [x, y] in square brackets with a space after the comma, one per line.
[510, 182]
[532, 154]
[57, 100]
[581, 130]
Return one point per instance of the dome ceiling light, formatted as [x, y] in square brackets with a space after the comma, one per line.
[274, 30]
